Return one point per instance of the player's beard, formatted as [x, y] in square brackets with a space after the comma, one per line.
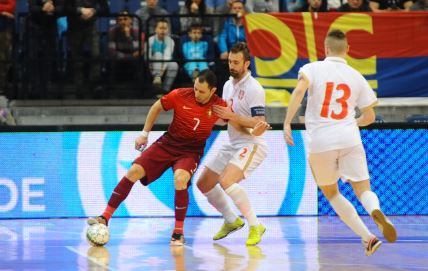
[234, 73]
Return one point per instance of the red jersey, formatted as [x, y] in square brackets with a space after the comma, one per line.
[192, 122]
[8, 6]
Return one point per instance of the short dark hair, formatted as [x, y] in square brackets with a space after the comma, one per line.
[161, 20]
[208, 76]
[196, 25]
[337, 34]
[241, 47]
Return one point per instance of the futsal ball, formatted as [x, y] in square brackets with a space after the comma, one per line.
[98, 234]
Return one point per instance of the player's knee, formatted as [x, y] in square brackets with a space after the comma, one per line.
[225, 182]
[200, 185]
[181, 181]
[180, 184]
[136, 172]
[329, 193]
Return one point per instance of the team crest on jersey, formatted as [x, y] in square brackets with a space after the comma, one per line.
[241, 94]
[210, 113]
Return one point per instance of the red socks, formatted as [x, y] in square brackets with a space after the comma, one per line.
[119, 194]
[181, 203]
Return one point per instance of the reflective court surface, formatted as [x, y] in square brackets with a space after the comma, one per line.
[290, 243]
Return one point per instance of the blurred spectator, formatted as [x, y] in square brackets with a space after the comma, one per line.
[334, 5]
[124, 46]
[42, 37]
[420, 5]
[195, 48]
[151, 8]
[195, 7]
[161, 47]
[223, 10]
[7, 15]
[172, 7]
[315, 6]
[390, 5]
[123, 38]
[355, 6]
[83, 35]
[233, 29]
[214, 5]
[262, 6]
[295, 5]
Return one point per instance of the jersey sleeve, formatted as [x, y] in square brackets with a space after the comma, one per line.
[367, 96]
[256, 101]
[306, 71]
[169, 100]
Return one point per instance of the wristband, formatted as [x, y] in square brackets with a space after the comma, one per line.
[144, 133]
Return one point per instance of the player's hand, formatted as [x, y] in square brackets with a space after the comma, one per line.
[288, 135]
[7, 14]
[260, 128]
[141, 143]
[223, 112]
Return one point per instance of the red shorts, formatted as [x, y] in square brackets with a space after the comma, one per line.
[160, 156]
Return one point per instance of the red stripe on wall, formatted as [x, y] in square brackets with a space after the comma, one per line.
[395, 35]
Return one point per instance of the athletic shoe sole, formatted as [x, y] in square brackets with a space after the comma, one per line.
[240, 227]
[386, 227]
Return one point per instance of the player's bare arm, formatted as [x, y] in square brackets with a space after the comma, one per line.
[293, 106]
[221, 122]
[367, 117]
[141, 140]
[227, 114]
[260, 128]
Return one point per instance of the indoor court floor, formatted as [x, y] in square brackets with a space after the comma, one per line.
[290, 243]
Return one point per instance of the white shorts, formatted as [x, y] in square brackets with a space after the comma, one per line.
[348, 164]
[246, 157]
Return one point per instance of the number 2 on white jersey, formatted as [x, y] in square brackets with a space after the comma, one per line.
[197, 123]
[341, 100]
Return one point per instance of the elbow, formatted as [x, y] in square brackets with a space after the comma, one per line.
[368, 117]
[372, 119]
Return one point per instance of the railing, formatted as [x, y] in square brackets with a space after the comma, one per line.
[28, 64]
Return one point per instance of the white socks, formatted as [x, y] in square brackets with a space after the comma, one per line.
[370, 201]
[348, 214]
[217, 198]
[240, 198]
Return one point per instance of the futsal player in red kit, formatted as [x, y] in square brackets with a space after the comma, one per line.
[181, 147]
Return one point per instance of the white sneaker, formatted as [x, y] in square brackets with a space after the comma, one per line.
[372, 245]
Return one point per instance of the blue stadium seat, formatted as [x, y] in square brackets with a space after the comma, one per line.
[130, 5]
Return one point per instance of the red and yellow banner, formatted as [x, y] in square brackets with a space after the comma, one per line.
[390, 50]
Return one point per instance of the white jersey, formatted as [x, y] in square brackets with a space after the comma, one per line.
[335, 89]
[247, 98]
